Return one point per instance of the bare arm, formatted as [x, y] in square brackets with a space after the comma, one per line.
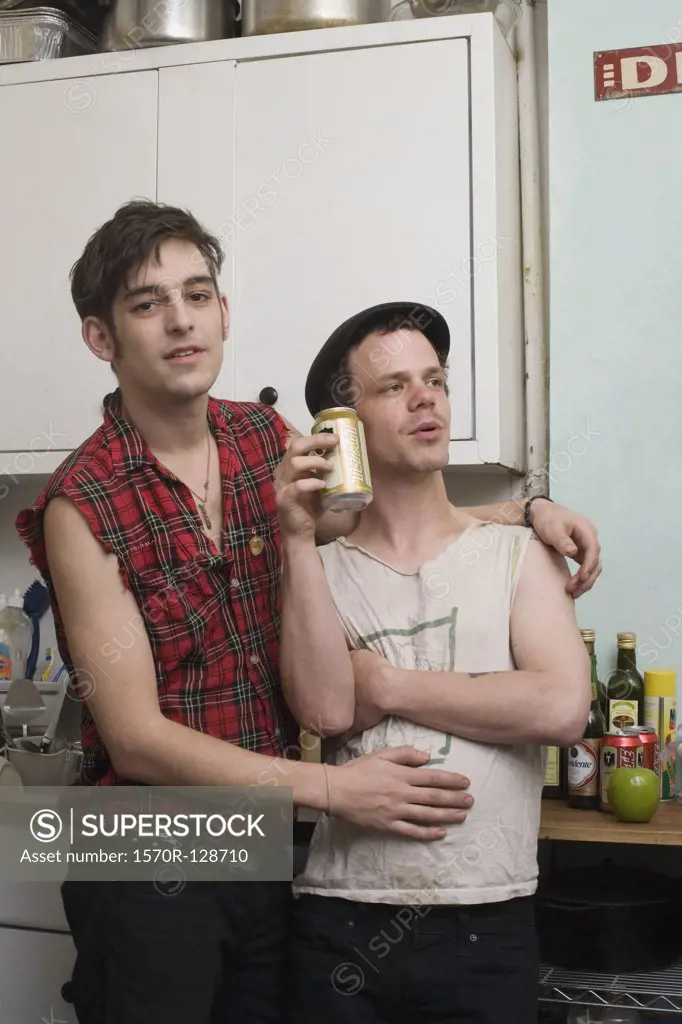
[389, 790]
[509, 513]
[546, 700]
[317, 675]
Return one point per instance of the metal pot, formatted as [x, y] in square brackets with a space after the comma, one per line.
[438, 8]
[260, 17]
[140, 23]
[507, 12]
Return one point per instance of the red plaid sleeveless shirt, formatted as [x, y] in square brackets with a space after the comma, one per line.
[212, 619]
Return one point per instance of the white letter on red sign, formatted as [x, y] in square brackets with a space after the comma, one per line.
[629, 72]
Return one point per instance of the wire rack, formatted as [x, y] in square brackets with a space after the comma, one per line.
[660, 991]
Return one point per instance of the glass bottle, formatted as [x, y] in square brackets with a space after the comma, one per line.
[584, 757]
[625, 687]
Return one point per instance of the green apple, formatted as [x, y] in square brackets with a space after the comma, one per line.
[634, 794]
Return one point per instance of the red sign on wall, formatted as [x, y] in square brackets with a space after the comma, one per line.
[639, 71]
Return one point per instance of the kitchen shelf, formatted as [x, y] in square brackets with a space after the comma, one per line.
[657, 991]
[561, 822]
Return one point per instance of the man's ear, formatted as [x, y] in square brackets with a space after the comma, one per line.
[225, 312]
[99, 338]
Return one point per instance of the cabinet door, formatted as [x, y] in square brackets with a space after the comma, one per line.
[352, 188]
[196, 163]
[72, 152]
[33, 967]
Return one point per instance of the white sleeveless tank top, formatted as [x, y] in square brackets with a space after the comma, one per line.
[451, 615]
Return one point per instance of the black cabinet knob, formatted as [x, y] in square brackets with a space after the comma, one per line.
[268, 396]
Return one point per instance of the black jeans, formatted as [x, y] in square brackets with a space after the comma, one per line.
[210, 954]
[361, 963]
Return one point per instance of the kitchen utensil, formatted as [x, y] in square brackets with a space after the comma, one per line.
[46, 745]
[262, 17]
[36, 604]
[63, 729]
[41, 33]
[130, 24]
[609, 918]
[35, 746]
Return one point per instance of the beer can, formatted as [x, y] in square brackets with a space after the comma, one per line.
[348, 484]
[618, 750]
[651, 749]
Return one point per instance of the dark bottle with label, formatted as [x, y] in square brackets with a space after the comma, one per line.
[625, 687]
[584, 757]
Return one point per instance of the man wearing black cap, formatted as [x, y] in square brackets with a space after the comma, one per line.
[425, 626]
[329, 384]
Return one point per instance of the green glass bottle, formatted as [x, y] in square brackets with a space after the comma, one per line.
[584, 757]
[625, 687]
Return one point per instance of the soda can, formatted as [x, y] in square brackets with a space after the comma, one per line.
[618, 750]
[651, 749]
[348, 484]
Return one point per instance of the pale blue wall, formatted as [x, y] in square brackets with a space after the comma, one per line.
[616, 322]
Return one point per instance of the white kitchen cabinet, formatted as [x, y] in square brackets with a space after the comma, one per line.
[33, 967]
[72, 151]
[351, 190]
[197, 165]
[379, 173]
[339, 169]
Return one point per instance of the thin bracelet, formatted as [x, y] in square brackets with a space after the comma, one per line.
[528, 505]
[329, 792]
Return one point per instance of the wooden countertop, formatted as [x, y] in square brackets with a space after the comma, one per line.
[566, 823]
[561, 822]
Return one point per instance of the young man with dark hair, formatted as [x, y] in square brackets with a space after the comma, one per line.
[166, 518]
[424, 626]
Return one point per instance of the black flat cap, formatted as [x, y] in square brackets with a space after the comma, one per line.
[322, 392]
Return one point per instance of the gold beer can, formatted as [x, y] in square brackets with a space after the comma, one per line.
[349, 485]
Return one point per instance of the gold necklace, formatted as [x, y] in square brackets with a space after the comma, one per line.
[201, 503]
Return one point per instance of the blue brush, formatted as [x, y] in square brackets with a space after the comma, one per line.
[36, 603]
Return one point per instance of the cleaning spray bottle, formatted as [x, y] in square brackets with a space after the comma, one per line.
[15, 634]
